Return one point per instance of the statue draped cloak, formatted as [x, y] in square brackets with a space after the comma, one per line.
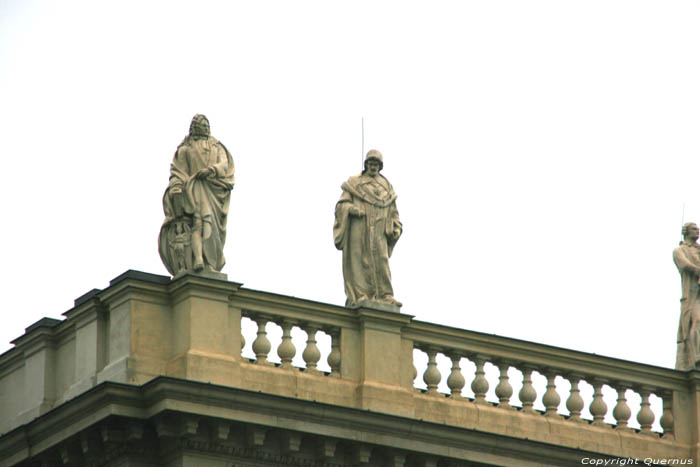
[687, 256]
[206, 199]
[367, 241]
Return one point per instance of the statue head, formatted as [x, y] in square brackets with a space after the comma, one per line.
[690, 231]
[199, 126]
[374, 155]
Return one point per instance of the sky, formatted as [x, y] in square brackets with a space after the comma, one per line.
[544, 153]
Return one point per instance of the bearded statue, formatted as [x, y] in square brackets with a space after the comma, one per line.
[366, 228]
[196, 203]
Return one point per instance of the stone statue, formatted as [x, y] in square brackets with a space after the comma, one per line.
[196, 203]
[687, 259]
[366, 228]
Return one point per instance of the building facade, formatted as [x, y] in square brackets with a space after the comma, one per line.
[149, 372]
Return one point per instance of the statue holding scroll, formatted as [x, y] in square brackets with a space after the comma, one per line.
[687, 259]
[196, 203]
[366, 228]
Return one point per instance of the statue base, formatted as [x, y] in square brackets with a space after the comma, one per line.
[203, 273]
[376, 305]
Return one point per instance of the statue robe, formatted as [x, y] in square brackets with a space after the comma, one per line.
[367, 241]
[688, 349]
[205, 201]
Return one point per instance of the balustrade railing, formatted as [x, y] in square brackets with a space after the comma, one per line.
[622, 378]
[296, 344]
[472, 367]
[368, 359]
[305, 334]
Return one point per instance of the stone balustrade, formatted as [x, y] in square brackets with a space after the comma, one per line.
[289, 314]
[195, 329]
[527, 357]
[286, 350]
[550, 398]
[549, 362]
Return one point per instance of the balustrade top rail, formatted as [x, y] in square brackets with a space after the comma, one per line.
[448, 340]
[286, 307]
[541, 356]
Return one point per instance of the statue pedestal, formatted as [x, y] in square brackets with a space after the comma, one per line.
[386, 359]
[376, 305]
[203, 273]
[182, 328]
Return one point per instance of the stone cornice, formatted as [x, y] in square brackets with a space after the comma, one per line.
[70, 418]
[45, 326]
[86, 311]
[204, 287]
[116, 294]
[140, 276]
[168, 395]
[35, 340]
[382, 320]
[694, 380]
[45, 333]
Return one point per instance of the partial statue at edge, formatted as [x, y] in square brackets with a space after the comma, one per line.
[366, 228]
[687, 259]
[196, 204]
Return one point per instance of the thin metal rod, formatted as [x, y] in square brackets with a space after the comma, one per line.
[362, 152]
[682, 219]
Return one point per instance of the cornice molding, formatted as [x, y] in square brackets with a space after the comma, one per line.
[210, 403]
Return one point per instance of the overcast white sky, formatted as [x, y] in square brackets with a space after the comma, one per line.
[542, 152]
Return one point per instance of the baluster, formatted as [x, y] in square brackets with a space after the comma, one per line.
[480, 385]
[311, 354]
[645, 417]
[334, 357]
[432, 376]
[598, 406]
[621, 412]
[574, 404]
[286, 350]
[261, 344]
[415, 371]
[527, 393]
[551, 398]
[503, 389]
[667, 417]
[456, 380]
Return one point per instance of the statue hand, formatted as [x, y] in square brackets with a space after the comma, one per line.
[204, 173]
[355, 211]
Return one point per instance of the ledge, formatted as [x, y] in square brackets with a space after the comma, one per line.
[43, 323]
[164, 395]
[140, 276]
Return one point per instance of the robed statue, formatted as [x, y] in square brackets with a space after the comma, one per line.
[366, 228]
[687, 259]
[196, 203]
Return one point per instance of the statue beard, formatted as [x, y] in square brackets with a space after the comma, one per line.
[199, 134]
